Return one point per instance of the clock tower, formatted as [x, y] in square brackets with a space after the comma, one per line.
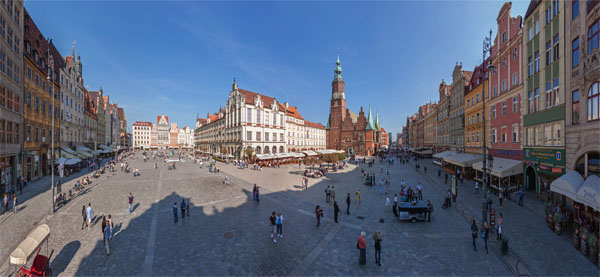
[337, 110]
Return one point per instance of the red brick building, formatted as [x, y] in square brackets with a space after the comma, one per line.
[346, 130]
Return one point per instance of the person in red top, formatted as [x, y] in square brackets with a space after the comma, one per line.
[362, 246]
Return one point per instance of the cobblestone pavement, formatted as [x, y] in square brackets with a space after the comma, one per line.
[228, 234]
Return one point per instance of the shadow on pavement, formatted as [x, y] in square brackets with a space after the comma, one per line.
[63, 258]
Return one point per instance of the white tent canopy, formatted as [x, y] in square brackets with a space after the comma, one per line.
[502, 167]
[589, 193]
[444, 154]
[310, 153]
[463, 159]
[72, 161]
[568, 184]
[26, 248]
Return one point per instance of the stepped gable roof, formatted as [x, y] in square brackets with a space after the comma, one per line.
[250, 96]
[313, 125]
[105, 98]
[353, 116]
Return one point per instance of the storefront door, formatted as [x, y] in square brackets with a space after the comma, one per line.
[530, 183]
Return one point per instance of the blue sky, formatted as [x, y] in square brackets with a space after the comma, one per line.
[179, 57]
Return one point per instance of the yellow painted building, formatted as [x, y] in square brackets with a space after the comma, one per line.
[474, 113]
[37, 108]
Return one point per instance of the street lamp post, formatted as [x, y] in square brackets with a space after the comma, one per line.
[487, 47]
[51, 81]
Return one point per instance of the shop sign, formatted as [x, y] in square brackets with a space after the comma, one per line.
[511, 154]
[545, 155]
[556, 170]
[543, 167]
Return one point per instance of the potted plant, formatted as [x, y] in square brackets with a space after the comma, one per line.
[557, 221]
[593, 246]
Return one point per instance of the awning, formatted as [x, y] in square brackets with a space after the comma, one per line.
[107, 148]
[589, 193]
[265, 156]
[84, 153]
[444, 154]
[310, 153]
[72, 161]
[463, 159]
[26, 248]
[61, 160]
[502, 167]
[67, 155]
[424, 152]
[329, 151]
[568, 184]
[68, 150]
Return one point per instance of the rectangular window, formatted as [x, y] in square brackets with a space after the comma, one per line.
[555, 8]
[575, 52]
[494, 135]
[249, 135]
[495, 91]
[537, 27]
[36, 136]
[515, 78]
[258, 116]
[555, 100]
[537, 100]
[575, 9]
[514, 54]
[281, 137]
[28, 133]
[515, 107]
[555, 47]
[494, 111]
[539, 135]
[267, 117]
[29, 99]
[504, 108]
[2, 138]
[17, 103]
[530, 102]
[504, 86]
[593, 33]
[530, 34]
[530, 66]
[504, 134]
[548, 53]
[257, 136]
[529, 134]
[17, 133]
[548, 134]
[548, 15]
[575, 107]
[558, 134]
[37, 103]
[537, 61]
[515, 133]
[548, 94]
[274, 119]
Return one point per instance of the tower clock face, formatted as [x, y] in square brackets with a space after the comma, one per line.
[336, 95]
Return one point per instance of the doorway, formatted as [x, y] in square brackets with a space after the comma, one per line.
[530, 179]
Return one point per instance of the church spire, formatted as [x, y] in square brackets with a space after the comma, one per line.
[370, 124]
[338, 68]
[234, 86]
[377, 121]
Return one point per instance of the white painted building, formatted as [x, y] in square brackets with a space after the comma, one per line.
[141, 134]
[71, 103]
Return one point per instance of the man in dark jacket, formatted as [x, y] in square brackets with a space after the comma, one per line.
[348, 204]
[336, 210]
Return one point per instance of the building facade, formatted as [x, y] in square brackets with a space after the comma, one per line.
[162, 126]
[11, 91]
[173, 136]
[544, 95]
[456, 115]
[38, 102]
[346, 130]
[141, 134]
[315, 136]
[98, 99]
[582, 77]
[72, 105]
[474, 111]
[90, 125]
[442, 111]
[430, 122]
[506, 88]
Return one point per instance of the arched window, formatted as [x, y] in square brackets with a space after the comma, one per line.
[593, 102]
[593, 164]
[274, 149]
[258, 150]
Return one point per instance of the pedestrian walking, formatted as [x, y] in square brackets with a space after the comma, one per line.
[130, 203]
[474, 232]
[499, 233]
[419, 191]
[15, 203]
[521, 195]
[348, 204]
[318, 214]
[476, 187]
[175, 212]
[187, 210]
[5, 203]
[332, 194]
[273, 225]
[327, 194]
[362, 245]
[84, 215]
[104, 222]
[107, 236]
[358, 196]
[279, 222]
[336, 210]
[429, 210]
[182, 208]
[500, 196]
[89, 212]
[377, 238]
[387, 203]
[485, 235]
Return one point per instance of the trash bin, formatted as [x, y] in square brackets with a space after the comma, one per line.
[504, 246]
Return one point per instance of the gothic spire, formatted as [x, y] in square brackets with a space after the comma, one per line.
[338, 68]
[370, 124]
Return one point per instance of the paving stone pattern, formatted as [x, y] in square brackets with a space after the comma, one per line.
[197, 245]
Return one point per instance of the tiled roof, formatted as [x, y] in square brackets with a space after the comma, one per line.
[383, 130]
[532, 5]
[37, 41]
[158, 118]
[467, 75]
[292, 111]
[250, 96]
[314, 125]
[213, 117]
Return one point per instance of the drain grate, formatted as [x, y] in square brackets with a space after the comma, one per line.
[228, 235]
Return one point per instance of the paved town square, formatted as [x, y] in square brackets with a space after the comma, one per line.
[227, 233]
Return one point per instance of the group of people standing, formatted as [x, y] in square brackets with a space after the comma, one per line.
[361, 245]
